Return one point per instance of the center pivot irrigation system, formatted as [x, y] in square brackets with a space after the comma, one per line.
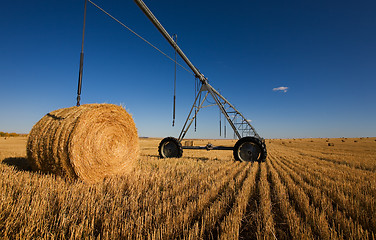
[249, 147]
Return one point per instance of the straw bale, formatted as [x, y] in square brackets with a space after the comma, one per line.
[87, 142]
[188, 143]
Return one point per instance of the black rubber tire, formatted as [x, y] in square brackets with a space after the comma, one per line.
[257, 146]
[175, 151]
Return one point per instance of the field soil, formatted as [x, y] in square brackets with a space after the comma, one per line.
[306, 189]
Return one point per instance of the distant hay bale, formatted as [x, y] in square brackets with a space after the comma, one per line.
[188, 143]
[330, 144]
[87, 142]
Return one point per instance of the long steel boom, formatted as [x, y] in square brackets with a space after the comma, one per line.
[206, 87]
[163, 31]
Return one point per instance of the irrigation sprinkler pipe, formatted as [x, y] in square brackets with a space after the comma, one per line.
[205, 85]
[81, 59]
[165, 34]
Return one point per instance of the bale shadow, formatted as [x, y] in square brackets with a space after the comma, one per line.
[19, 163]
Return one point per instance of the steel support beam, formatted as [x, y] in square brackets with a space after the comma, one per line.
[205, 85]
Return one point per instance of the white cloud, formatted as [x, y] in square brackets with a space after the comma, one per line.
[282, 89]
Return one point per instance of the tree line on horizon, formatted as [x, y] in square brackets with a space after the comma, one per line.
[6, 134]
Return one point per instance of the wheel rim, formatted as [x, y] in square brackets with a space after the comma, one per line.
[169, 149]
[249, 151]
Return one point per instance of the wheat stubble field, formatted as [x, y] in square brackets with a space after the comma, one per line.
[305, 190]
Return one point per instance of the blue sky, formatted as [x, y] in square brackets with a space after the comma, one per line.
[324, 52]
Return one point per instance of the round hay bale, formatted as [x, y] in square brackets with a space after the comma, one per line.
[188, 143]
[87, 142]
